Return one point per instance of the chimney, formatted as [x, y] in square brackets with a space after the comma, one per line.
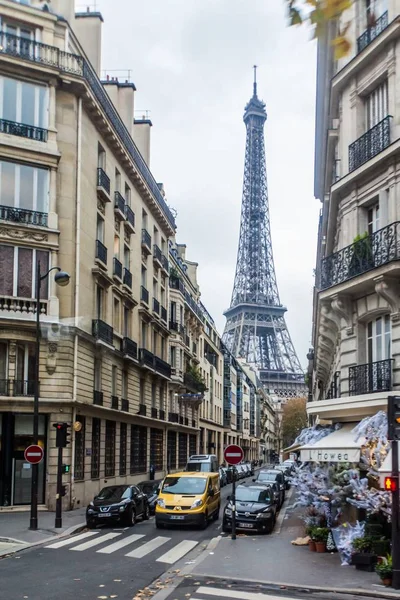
[141, 137]
[87, 27]
[64, 8]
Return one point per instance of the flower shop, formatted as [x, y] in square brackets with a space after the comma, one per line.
[338, 487]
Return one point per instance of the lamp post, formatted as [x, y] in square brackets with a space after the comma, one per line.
[62, 279]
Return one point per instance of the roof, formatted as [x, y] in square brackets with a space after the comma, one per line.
[191, 474]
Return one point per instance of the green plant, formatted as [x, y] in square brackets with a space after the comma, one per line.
[320, 534]
[363, 545]
[174, 273]
[385, 568]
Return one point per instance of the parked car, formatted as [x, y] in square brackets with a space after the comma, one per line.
[222, 477]
[204, 463]
[255, 509]
[228, 474]
[251, 467]
[122, 503]
[241, 471]
[150, 488]
[287, 473]
[273, 476]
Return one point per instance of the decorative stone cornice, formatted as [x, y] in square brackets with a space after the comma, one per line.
[389, 290]
[343, 307]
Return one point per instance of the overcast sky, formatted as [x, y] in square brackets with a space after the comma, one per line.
[191, 61]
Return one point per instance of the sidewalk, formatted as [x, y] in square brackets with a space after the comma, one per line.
[16, 535]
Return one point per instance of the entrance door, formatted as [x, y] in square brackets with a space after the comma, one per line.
[22, 478]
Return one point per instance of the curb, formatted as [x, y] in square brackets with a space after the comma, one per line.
[27, 545]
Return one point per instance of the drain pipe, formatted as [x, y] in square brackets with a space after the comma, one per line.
[77, 281]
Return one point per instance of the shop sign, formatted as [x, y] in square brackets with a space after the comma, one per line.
[351, 455]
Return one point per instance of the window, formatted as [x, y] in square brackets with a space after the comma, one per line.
[101, 157]
[114, 376]
[141, 391]
[144, 335]
[171, 450]
[24, 102]
[127, 258]
[138, 449]
[80, 450]
[127, 194]
[156, 448]
[173, 356]
[97, 375]
[24, 383]
[161, 398]
[19, 38]
[116, 246]
[172, 311]
[162, 347]
[376, 105]
[116, 315]
[117, 181]
[95, 462]
[144, 276]
[127, 322]
[182, 455]
[155, 339]
[122, 448]
[153, 395]
[109, 470]
[124, 385]
[24, 186]
[144, 219]
[18, 271]
[373, 219]
[99, 302]
[3, 368]
[192, 444]
[379, 339]
[100, 229]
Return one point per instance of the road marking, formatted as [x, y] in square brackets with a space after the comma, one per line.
[120, 544]
[96, 542]
[282, 513]
[176, 553]
[233, 594]
[149, 547]
[72, 539]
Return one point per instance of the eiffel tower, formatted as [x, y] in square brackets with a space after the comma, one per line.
[255, 328]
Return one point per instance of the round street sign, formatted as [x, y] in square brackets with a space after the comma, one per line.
[33, 454]
[233, 454]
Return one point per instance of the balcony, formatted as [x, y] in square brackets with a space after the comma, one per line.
[156, 306]
[72, 64]
[194, 348]
[364, 255]
[161, 415]
[173, 417]
[370, 144]
[130, 218]
[187, 340]
[194, 307]
[23, 216]
[164, 315]
[4, 387]
[165, 264]
[174, 326]
[101, 253]
[334, 389]
[154, 412]
[186, 422]
[146, 241]
[162, 367]
[103, 185]
[21, 308]
[144, 295]
[157, 255]
[127, 278]
[102, 332]
[194, 384]
[371, 378]
[129, 348]
[117, 269]
[23, 387]
[177, 284]
[372, 32]
[181, 421]
[146, 358]
[124, 404]
[119, 206]
[194, 423]
[114, 402]
[97, 398]
[22, 130]
[142, 410]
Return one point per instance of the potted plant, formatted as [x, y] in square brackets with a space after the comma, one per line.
[385, 570]
[364, 558]
[320, 535]
[311, 541]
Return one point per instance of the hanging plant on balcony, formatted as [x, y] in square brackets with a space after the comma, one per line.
[362, 258]
[198, 379]
[174, 273]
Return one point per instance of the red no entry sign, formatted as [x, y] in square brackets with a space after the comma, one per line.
[233, 454]
[33, 454]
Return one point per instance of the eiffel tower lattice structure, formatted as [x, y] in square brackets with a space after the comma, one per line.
[255, 328]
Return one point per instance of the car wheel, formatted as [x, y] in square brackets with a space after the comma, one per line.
[216, 514]
[270, 526]
[204, 522]
[131, 518]
[146, 514]
[91, 524]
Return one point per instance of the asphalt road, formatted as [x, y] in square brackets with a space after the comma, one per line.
[101, 564]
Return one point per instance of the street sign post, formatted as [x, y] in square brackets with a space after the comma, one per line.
[233, 455]
[33, 454]
[393, 436]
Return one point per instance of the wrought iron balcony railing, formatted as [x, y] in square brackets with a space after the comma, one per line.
[372, 32]
[156, 306]
[366, 254]
[177, 284]
[371, 377]
[164, 314]
[119, 202]
[130, 216]
[165, 263]
[173, 417]
[4, 387]
[142, 410]
[157, 254]
[114, 402]
[370, 144]
[72, 63]
[154, 412]
[103, 331]
[103, 180]
[127, 278]
[194, 384]
[23, 387]
[144, 294]
[97, 397]
[124, 404]
[22, 130]
[334, 388]
[174, 326]
[24, 216]
[162, 367]
[101, 251]
[161, 415]
[146, 357]
[146, 239]
[117, 271]
[129, 347]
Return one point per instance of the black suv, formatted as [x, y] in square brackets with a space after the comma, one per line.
[273, 476]
[122, 503]
[255, 509]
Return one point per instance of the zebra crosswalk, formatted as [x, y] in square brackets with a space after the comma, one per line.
[133, 545]
[211, 593]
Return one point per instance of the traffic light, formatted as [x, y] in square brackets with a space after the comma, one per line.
[66, 469]
[391, 483]
[394, 418]
[62, 434]
[63, 490]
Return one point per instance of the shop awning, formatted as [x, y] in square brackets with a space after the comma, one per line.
[386, 467]
[338, 446]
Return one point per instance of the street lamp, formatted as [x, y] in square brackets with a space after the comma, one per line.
[61, 278]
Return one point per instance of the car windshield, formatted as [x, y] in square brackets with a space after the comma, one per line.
[149, 488]
[252, 495]
[187, 486]
[198, 467]
[267, 476]
[115, 493]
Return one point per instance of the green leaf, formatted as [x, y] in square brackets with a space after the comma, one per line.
[295, 17]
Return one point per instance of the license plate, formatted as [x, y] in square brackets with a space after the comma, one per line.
[177, 517]
[105, 515]
[246, 525]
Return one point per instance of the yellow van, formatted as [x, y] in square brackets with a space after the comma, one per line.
[188, 499]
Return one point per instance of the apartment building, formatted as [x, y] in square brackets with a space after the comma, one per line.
[354, 362]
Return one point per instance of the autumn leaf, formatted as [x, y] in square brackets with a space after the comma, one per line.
[341, 46]
[334, 8]
[295, 17]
